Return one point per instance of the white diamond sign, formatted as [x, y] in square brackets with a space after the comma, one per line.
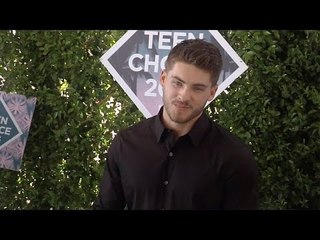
[136, 61]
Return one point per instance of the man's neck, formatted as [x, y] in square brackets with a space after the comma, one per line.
[178, 129]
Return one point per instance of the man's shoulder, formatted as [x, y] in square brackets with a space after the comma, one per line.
[138, 127]
[227, 138]
[233, 148]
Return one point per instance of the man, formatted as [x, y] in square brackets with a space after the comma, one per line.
[180, 159]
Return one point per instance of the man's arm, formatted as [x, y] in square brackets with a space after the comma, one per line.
[240, 190]
[111, 194]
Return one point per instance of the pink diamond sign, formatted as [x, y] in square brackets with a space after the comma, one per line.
[16, 113]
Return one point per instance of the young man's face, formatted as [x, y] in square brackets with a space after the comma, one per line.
[186, 90]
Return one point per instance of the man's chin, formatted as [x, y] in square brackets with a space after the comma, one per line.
[180, 119]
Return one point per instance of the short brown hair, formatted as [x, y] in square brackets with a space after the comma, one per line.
[198, 52]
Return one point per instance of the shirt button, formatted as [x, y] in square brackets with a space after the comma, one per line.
[166, 182]
[170, 154]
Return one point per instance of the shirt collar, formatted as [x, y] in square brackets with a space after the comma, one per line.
[158, 125]
[199, 129]
[196, 133]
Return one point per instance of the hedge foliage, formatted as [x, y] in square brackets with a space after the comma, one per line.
[77, 113]
[275, 107]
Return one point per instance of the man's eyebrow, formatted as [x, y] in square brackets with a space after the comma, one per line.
[178, 78]
[200, 85]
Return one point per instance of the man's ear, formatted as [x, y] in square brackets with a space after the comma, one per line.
[162, 77]
[213, 91]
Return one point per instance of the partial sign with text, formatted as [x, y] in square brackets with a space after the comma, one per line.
[16, 113]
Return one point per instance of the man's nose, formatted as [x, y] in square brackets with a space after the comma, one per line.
[184, 94]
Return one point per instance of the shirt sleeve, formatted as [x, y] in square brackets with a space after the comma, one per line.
[240, 182]
[111, 196]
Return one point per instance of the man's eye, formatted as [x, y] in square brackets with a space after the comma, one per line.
[177, 83]
[198, 89]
